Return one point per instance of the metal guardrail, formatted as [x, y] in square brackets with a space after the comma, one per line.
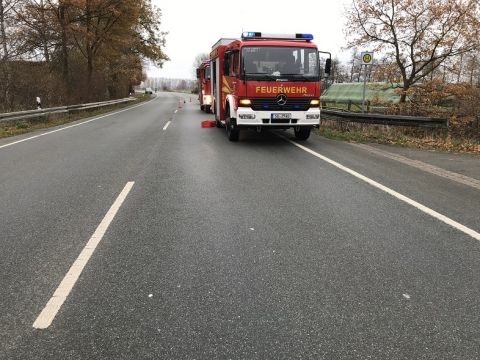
[398, 120]
[20, 115]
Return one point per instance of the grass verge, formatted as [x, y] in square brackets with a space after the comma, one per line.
[431, 139]
[18, 127]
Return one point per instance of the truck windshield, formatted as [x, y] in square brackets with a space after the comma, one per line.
[272, 63]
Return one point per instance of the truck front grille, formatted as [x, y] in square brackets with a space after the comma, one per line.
[269, 104]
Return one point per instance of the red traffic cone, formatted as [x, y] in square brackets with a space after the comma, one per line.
[208, 124]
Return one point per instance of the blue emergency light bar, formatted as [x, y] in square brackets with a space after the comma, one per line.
[259, 35]
[249, 34]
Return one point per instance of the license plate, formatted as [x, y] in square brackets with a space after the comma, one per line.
[281, 116]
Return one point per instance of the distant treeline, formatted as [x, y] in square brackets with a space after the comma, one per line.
[168, 84]
[72, 51]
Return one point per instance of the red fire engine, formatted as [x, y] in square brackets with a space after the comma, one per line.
[204, 86]
[266, 80]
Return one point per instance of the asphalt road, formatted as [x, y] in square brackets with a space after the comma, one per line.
[249, 250]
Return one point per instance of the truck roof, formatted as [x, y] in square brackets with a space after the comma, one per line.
[273, 42]
[204, 64]
[267, 41]
[222, 41]
[264, 42]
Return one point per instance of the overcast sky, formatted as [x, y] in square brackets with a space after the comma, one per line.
[194, 26]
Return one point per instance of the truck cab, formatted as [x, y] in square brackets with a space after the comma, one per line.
[266, 81]
[204, 86]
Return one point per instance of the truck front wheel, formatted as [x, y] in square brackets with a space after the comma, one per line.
[302, 133]
[232, 133]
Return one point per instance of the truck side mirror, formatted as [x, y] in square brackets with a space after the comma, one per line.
[328, 66]
[198, 73]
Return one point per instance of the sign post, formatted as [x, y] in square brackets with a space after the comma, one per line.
[367, 59]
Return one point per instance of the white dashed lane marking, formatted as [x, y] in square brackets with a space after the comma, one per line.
[44, 320]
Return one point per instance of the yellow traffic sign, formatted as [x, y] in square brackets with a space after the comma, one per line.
[367, 58]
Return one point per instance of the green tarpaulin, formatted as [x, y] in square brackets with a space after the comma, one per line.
[343, 93]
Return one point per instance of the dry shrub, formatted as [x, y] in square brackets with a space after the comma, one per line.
[22, 81]
[426, 138]
[459, 103]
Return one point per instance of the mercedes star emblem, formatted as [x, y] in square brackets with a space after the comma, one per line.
[281, 99]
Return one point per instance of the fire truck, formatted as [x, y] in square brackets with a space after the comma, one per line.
[266, 81]
[204, 86]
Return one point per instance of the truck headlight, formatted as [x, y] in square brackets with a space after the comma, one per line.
[313, 116]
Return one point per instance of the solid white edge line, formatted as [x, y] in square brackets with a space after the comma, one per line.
[74, 125]
[474, 234]
[417, 164]
[44, 320]
[166, 125]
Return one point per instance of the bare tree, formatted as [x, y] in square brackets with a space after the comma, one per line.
[473, 69]
[355, 67]
[416, 35]
[74, 50]
[198, 61]
[8, 30]
[339, 71]
[10, 41]
[3, 33]
[34, 21]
